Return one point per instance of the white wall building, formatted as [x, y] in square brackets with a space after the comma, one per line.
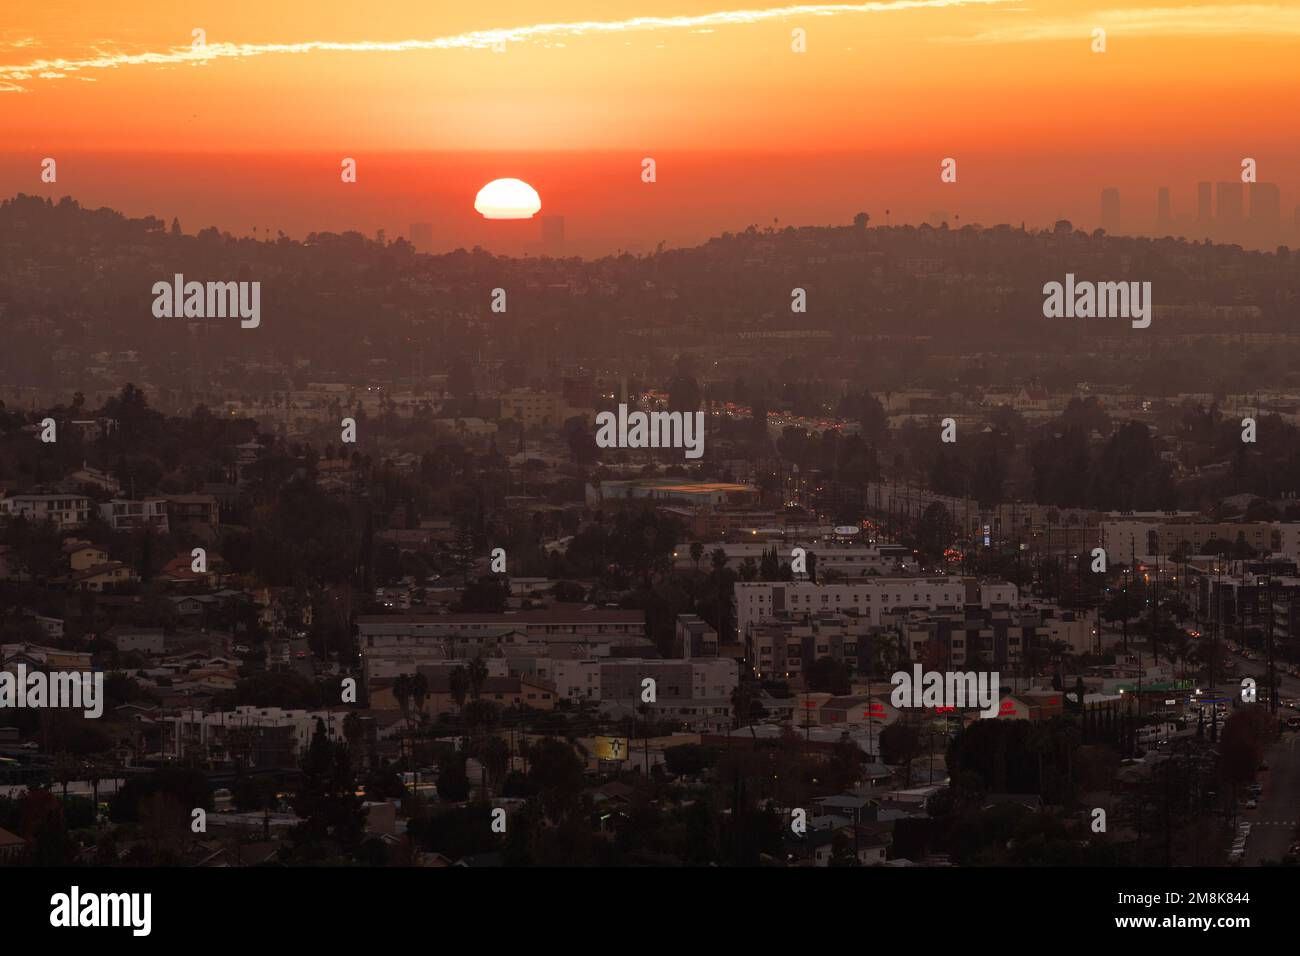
[123, 514]
[66, 511]
[192, 730]
[760, 601]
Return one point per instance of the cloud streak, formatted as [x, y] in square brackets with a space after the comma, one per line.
[13, 77]
[1209, 21]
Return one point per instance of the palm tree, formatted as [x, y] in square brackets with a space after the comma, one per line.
[478, 674]
[1059, 652]
[1193, 657]
[494, 756]
[1181, 648]
[402, 691]
[697, 552]
[458, 681]
[64, 771]
[419, 691]
[352, 734]
[743, 699]
[1038, 743]
[645, 710]
[584, 715]
[93, 773]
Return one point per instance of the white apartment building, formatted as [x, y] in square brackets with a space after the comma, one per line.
[1125, 540]
[532, 408]
[66, 511]
[191, 731]
[1080, 633]
[384, 663]
[1150, 535]
[853, 561]
[123, 514]
[758, 601]
[549, 625]
[697, 691]
[396, 643]
[777, 647]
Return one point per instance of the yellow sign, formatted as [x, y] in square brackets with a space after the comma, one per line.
[611, 748]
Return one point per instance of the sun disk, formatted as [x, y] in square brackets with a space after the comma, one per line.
[507, 199]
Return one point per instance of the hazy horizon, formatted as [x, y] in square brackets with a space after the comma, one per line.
[235, 115]
[603, 202]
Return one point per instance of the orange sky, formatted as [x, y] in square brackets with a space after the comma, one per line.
[1012, 89]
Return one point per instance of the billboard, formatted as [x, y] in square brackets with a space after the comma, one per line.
[611, 748]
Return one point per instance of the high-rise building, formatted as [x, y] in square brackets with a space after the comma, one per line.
[422, 236]
[1265, 205]
[1162, 207]
[1229, 203]
[1110, 210]
[1203, 210]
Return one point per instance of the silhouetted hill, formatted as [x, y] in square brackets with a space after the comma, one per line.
[76, 282]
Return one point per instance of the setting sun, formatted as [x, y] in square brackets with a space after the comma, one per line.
[507, 199]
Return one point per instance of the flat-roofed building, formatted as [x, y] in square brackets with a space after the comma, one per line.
[870, 599]
[388, 639]
[261, 736]
[697, 494]
[124, 514]
[67, 512]
[198, 514]
[535, 409]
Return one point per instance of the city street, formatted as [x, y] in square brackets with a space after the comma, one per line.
[1228, 683]
[1257, 668]
[1273, 823]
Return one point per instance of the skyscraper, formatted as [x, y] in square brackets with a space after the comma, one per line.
[1265, 205]
[1204, 216]
[1162, 206]
[1228, 203]
[1110, 209]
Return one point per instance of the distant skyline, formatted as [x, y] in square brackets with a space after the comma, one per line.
[605, 207]
[249, 130]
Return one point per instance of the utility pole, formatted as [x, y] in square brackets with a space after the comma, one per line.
[1272, 676]
[1155, 617]
[1218, 617]
[1168, 833]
